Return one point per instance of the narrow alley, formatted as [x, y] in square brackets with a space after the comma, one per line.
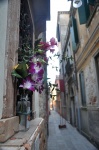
[67, 138]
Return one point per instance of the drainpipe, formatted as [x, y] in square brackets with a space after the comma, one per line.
[78, 108]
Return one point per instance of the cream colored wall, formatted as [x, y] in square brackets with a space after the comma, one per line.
[86, 33]
[63, 23]
[91, 83]
[85, 60]
[36, 102]
[3, 27]
[82, 33]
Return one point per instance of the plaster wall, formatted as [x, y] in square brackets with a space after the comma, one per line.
[3, 28]
[12, 43]
[63, 23]
[91, 84]
[85, 33]
[82, 33]
[42, 104]
[36, 103]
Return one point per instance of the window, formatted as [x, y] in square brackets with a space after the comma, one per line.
[74, 33]
[86, 9]
[82, 88]
[97, 67]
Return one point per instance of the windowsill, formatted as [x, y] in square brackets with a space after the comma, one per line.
[23, 137]
[92, 108]
[91, 16]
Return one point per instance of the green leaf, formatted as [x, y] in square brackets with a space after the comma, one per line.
[22, 69]
[37, 42]
[55, 85]
[43, 61]
[40, 51]
[14, 73]
[48, 78]
[57, 90]
[50, 84]
[54, 95]
[50, 57]
[52, 89]
[50, 95]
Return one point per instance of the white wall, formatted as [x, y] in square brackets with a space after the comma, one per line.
[3, 26]
[36, 103]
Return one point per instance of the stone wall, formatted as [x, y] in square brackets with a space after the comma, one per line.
[91, 83]
[93, 116]
[3, 26]
[11, 44]
[32, 139]
[9, 30]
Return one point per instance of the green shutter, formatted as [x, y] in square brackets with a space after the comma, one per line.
[84, 12]
[58, 33]
[74, 24]
[91, 2]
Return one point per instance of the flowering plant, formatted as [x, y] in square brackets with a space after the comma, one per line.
[30, 70]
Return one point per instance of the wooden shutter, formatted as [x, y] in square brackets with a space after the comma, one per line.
[83, 12]
[74, 33]
[74, 24]
[91, 2]
[58, 33]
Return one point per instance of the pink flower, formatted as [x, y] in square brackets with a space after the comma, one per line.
[34, 67]
[52, 50]
[39, 87]
[45, 59]
[36, 71]
[45, 45]
[53, 41]
[28, 84]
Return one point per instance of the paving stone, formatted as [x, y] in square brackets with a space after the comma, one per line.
[65, 139]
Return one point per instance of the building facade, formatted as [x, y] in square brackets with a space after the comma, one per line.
[81, 69]
[62, 24]
[86, 59]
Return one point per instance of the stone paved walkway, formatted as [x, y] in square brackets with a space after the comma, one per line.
[65, 139]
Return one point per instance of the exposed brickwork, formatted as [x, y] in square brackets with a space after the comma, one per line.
[90, 83]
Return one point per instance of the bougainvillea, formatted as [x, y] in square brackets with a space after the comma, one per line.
[30, 72]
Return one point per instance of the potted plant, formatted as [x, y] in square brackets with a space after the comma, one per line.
[30, 75]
